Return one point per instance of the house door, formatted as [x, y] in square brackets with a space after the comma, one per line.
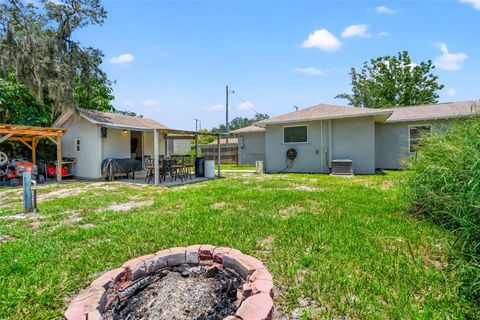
[136, 145]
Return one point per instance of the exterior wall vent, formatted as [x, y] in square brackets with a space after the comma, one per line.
[342, 168]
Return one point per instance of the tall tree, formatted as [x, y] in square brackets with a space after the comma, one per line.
[36, 45]
[392, 81]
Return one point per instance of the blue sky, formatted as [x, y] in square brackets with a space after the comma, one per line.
[171, 60]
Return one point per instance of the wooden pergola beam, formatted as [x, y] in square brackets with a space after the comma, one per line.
[41, 133]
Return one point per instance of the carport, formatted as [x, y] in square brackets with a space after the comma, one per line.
[30, 136]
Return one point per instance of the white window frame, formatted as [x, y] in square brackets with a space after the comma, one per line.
[410, 139]
[292, 126]
[77, 143]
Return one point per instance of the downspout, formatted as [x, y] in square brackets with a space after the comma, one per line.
[330, 144]
[321, 146]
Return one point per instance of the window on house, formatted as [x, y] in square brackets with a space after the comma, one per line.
[77, 145]
[415, 134]
[295, 134]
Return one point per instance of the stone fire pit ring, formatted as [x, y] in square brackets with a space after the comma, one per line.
[255, 296]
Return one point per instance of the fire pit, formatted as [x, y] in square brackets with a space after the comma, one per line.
[198, 282]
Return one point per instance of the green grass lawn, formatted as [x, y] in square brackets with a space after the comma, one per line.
[336, 247]
[236, 167]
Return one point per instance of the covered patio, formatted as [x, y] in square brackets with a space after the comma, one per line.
[174, 134]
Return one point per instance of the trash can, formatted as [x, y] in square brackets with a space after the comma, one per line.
[199, 167]
[209, 169]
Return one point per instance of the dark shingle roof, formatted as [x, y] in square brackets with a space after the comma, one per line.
[324, 112]
[434, 111]
[121, 120]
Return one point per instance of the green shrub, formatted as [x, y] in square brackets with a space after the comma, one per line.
[444, 185]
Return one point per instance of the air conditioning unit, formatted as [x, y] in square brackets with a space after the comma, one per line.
[342, 167]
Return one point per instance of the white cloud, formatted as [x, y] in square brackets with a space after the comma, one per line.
[247, 105]
[384, 10]
[356, 30]
[310, 71]
[323, 40]
[150, 103]
[123, 58]
[474, 3]
[215, 107]
[449, 61]
[451, 92]
[383, 34]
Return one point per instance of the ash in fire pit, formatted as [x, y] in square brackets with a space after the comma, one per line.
[179, 293]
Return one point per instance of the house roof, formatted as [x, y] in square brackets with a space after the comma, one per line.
[434, 111]
[114, 120]
[248, 129]
[398, 114]
[325, 112]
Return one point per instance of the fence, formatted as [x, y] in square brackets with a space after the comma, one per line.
[228, 155]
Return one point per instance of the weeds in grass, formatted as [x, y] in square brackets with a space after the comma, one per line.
[444, 186]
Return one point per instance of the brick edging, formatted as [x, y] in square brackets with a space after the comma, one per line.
[255, 299]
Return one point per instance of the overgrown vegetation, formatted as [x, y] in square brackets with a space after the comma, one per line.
[444, 186]
[337, 248]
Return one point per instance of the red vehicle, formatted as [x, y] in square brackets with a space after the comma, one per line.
[11, 172]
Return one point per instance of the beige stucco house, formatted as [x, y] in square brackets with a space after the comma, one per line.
[371, 138]
[251, 144]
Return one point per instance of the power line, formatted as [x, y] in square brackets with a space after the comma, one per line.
[246, 103]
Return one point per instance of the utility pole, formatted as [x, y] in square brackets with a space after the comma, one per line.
[226, 115]
[196, 124]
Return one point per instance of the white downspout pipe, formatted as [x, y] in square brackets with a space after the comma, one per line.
[321, 146]
[330, 144]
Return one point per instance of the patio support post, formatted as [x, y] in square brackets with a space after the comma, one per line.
[59, 159]
[34, 150]
[155, 157]
[166, 144]
[219, 155]
[196, 145]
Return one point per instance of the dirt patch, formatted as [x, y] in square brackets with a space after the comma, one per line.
[128, 205]
[180, 293]
[291, 210]
[66, 192]
[87, 225]
[217, 205]
[307, 306]
[306, 188]
[7, 238]
[72, 219]
[387, 184]
[266, 244]
[23, 216]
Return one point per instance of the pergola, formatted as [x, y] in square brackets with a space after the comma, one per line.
[30, 136]
[169, 134]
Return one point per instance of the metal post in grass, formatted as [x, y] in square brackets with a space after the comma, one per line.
[219, 156]
[156, 158]
[27, 192]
